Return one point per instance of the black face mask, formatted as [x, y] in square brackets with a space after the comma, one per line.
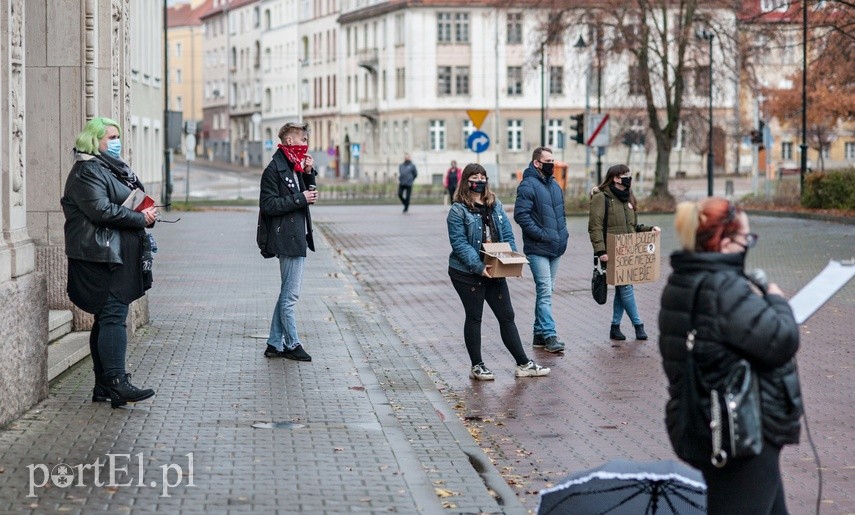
[547, 169]
[626, 182]
[478, 186]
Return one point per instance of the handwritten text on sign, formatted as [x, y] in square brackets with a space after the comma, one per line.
[633, 258]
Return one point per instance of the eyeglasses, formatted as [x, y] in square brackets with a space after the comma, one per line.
[750, 239]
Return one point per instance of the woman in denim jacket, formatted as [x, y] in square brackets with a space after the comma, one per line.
[477, 217]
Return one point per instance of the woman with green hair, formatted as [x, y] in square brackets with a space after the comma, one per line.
[109, 253]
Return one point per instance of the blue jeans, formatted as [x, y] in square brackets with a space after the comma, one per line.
[625, 301]
[283, 327]
[108, 340]
[543, 270]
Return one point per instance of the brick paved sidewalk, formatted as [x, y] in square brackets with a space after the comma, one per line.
[362, 428]
[602, 400]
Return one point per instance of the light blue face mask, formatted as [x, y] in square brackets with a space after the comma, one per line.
[114, 148]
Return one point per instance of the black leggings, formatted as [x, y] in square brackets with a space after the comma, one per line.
[750, 486]
[495, 292]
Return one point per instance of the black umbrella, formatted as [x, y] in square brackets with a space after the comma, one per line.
[628, 487]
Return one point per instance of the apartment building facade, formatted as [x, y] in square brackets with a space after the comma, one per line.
[215, 134]
[185, 35]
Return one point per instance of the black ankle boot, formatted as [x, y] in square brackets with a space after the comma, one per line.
[639, 332]
[123, 392]
[101, 392]
[615, 333]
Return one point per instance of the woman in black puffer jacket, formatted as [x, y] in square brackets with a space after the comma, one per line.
[709, 292]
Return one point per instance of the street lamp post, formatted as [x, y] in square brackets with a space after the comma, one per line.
[542, 96]
[708, 36]
[580, 44]
[803, 161]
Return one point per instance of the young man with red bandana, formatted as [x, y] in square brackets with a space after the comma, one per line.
[285, 231]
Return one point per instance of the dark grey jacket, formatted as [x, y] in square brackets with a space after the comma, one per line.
[708, 292]
[284, 222]
[94, 216]
[407, 173]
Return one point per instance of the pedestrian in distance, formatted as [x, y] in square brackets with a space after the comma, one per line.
[109, 253]
[407, 174]
[734, 318]
[476, 217]
[616, 191]
[288, 188]
[539, 211]
[450, 180]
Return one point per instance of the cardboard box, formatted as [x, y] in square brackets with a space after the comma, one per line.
[503, 261]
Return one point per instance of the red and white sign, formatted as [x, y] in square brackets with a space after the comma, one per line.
[599, 135]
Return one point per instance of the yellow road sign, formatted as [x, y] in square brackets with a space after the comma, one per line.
[477, 116]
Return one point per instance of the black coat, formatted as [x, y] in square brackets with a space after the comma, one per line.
[105, 243]
[284, 222]
[709, 292]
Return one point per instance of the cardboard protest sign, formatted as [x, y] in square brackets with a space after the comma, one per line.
[633, 258]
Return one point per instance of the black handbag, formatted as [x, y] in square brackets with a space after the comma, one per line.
[599, 288]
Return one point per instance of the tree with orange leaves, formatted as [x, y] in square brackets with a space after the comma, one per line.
[830, 80]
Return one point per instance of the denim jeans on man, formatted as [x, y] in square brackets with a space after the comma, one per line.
[543, 270]
[283, 327]
[625, 301]
[108, 339]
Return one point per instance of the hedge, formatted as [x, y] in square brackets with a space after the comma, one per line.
[832, 189]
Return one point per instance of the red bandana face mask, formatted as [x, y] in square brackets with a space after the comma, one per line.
[295, 154]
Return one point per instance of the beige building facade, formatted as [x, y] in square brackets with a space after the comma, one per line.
[186, 35]
[62, 62]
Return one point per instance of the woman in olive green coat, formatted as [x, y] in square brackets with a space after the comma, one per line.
[623, 219]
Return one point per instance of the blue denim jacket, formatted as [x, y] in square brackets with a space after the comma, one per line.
[464, 234]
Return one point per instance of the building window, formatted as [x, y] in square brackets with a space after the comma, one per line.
[702, 81]
[400, 89]
[178, 76]
[826, 150]
[443, 79]
[443, 27]
[774, 5]
[399, 29]
[515, 81]
[178, 49]
[514, 28]
[461, 27]
[556, 80]
[461, 80]
[635, 87]
[849, 150]
[437, 134]
[179, 103]
[555, 134]
[468, 129]
[514, 135]
[787, 151]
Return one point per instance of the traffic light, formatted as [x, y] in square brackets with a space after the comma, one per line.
[577, 126]
[757, 135]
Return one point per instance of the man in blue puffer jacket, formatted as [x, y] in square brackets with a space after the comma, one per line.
[539, 211]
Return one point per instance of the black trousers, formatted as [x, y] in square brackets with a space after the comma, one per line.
[495, 292]
[750, 486]
[404, 195]
[108, 340]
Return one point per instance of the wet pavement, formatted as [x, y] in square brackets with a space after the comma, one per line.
[385, 418]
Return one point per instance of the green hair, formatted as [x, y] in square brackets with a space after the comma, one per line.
[89, 139]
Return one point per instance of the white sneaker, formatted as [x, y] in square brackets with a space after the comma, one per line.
[531, 369]
[481, 373]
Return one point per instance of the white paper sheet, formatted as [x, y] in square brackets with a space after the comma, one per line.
[821, 288]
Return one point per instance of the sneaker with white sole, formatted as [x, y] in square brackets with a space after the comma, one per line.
[481, 373]
[531, 369]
